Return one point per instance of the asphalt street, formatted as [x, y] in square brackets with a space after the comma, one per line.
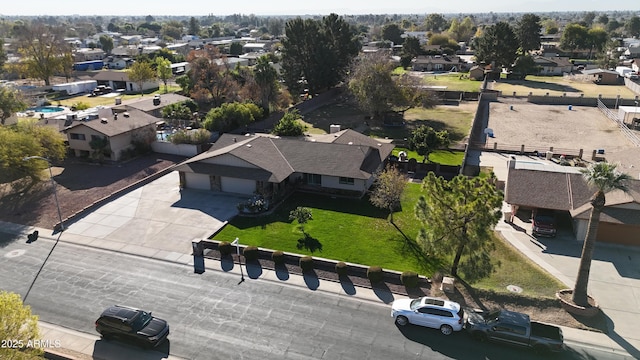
[212, 316]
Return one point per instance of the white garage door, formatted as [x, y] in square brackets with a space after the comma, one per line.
[198, 181]
[238, 186]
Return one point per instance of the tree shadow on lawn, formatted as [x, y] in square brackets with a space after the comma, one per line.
[310, 243]
[410, 248]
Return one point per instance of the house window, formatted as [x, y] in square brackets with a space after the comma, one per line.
[75, 136]
[96, 137]
[439, 67]
[346, 181]
[313, 179]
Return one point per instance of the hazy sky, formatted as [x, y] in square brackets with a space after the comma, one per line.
[289, 7]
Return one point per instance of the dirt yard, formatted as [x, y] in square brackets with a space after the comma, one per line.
[540, 127]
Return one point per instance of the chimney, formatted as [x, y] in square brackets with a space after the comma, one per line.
[511, 163]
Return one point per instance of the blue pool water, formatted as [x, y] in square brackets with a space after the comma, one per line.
[46, 109]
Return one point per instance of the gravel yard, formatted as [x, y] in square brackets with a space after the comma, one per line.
[543, 126]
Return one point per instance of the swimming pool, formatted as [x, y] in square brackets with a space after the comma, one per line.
[47, 109]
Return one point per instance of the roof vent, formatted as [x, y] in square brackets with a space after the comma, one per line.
[350, 143]
[103, 120]
[248, 145]
[126, 114]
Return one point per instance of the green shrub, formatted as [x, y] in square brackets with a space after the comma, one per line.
[375, 274]
[341, 268]
[80, 106]
[306, 263]
[278, 257]
[409, 279]
[224, 248]
[250, 253]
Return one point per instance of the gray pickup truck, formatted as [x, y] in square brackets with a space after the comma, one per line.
[514, 328]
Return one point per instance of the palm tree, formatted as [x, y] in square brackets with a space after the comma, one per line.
[604, 177]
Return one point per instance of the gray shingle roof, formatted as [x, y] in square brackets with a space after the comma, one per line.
[350, 154]
[111, 127]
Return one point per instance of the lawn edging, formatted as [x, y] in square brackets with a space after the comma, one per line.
[210, 250]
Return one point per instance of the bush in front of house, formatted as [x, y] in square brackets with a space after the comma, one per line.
[278, 257]
[374, 274]
[306, 263]
[409, 279]
[225, 248]
[250, 253]
[341, 268]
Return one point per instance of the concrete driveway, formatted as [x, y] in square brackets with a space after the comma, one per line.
[156, 216]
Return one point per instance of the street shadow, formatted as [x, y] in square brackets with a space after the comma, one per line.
[254, 269]
[226, 263]
[310, 243]
[613, 335]
[282, 273]
[311, 279]
[124, 349]
[383, 292]
[347, 285]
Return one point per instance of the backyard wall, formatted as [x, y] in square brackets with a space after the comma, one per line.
[164, 147]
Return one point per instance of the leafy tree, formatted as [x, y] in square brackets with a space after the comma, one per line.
[411, 47]
[597, 39]
[275, 26]
[163, 71]
[19, 325]
[377, 91]
[101, 147]
[528, 31]
[266, 77]
[171, 30]
[140, 73]
[230, 116]
[106, 43]
[462, 31]
[603, 19]
[525, 65]
[289, 124]
[3, 56]
[316, 54]
[632, 26]
[424, 140]
[574, 36]
[613, 25]
[387, 190]
[24, 139]
[435, 22]
[302, 215]
[393, 33]
[498, 44]
[42, 48]
[372, 84]
[210, 78]
[588, 18]
[457, 218]
[11, 101]
[235, 48]
[604, 177]
[194, 26]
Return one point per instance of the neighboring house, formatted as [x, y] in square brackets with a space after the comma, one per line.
[85, 54]
[477, 72]
[635, 65]
[179, 48]
[118, 63]
[119, 125]
[422, 36]
[119, 80]
[553, 65]
[563, 188]
[438, 63]
[180, 68]
[256, 47]
[344, 162]
[125, 51]
[632, 52]
[603, 77]
[153, 107]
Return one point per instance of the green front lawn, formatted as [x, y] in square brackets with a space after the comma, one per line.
[342, 229]
[355, 231]
[442, 157]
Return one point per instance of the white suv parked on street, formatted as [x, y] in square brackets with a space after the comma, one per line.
[431, 312]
